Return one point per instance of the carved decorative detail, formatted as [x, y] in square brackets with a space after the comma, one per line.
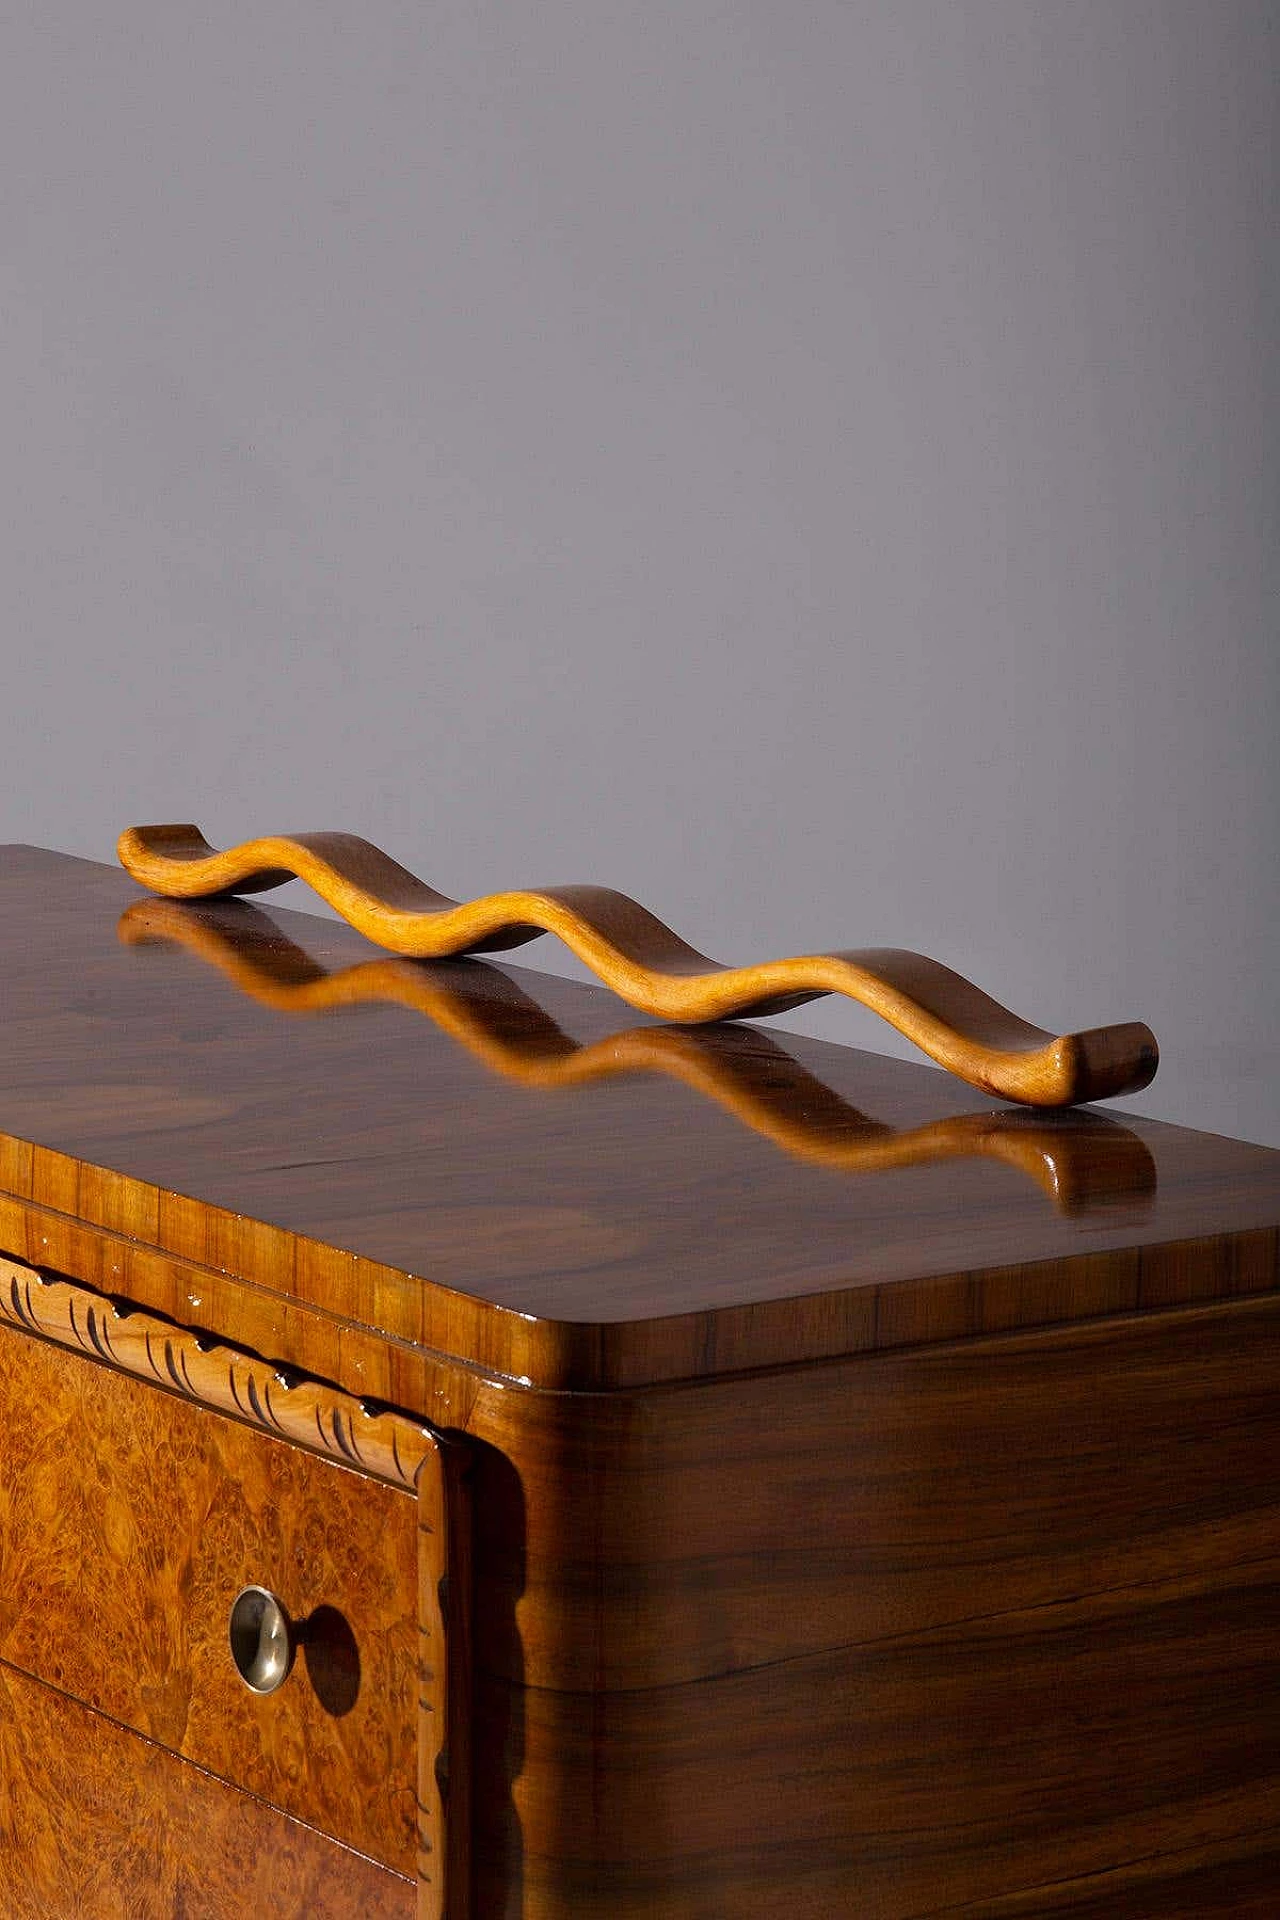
[1079, 1160]
[378, 1443]
[364, 1435]
[651, 967]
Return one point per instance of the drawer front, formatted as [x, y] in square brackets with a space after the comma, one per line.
[129, 1521]
[95, 1821]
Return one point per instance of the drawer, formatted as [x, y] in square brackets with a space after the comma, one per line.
[97, 1822]
[129, 1521]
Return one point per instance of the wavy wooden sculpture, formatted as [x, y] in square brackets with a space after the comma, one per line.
[649, 966]
[1082, 1161]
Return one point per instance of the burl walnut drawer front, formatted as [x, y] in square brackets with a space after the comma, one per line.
[130, 1520]
[100, 1824]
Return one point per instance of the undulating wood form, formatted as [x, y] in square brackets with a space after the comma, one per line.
[165, 1138]
[98, 1824]
[914, 1549]
[1079, 1160]
[651, 967]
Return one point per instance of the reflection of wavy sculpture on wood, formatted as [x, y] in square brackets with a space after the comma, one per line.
[649, 966]
[1081, 1160]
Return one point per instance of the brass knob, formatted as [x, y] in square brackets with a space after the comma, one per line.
[261, 1636]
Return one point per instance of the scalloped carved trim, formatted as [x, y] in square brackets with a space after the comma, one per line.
[375, 1441]
[651, 967]
[365, 1436]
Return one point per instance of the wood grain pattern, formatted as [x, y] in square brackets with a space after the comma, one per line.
[979, 1556]
[129, 1520]
[383, 1332]
[888, 1637]
[650, 967]
[362, 1179]
[1233, 1880]
[1079, 1160]
[954, 1616]
[98, 1824]
[364, 1435]
[923, 1775]
[670, 1536]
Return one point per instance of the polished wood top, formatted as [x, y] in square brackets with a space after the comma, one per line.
[589, 1198]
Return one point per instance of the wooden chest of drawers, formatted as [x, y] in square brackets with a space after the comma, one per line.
[705, 1478]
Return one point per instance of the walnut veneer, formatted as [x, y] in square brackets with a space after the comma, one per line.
[879, 1533]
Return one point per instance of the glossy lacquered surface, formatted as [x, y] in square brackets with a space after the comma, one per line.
[100, 1823]
[974, 1611]
[895, 1636]
[129, 1522]
[584, 1210]
[652, 968]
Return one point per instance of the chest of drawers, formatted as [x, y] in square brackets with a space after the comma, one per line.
[703, 1476]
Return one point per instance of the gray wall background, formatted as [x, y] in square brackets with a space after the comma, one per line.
[813, 466]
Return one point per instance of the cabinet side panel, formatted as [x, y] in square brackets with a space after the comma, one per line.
[673, 1535]
[885, 1637]
[943, 1771]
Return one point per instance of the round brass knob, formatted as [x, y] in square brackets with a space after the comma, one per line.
[261, 1638]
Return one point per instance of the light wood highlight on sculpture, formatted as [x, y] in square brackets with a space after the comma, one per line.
[1079, 1160]
[648, 965]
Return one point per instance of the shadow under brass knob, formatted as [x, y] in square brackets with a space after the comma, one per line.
[261, 1636]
